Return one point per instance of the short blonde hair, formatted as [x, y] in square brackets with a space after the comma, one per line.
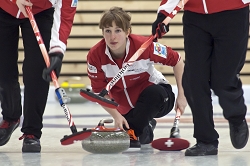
[119, 16]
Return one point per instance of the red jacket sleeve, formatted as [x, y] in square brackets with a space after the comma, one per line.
[63, 21]
[160, 53]
[167, 6]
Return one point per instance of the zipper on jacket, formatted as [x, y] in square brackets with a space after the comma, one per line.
[205, 6]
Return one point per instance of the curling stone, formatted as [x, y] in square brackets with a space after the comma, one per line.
[106, 140]
[72, 90]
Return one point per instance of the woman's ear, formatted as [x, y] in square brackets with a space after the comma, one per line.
[128, 32]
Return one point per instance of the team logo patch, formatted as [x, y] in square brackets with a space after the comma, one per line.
[91, 68]
[74, 3]
[160, 50]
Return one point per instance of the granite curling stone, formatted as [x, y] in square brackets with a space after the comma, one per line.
[106, 140]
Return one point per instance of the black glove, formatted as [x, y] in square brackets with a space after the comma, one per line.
[55, 64]
[158, 27]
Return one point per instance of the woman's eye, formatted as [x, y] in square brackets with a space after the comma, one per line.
[118, 30]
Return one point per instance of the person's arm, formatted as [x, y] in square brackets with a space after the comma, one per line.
[181, 101]
[161, 54]
[118, 118]
[166, 7]
[62, 25]
[99, 82]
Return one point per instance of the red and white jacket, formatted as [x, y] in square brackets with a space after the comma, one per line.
[102, 68]
[203, 6]
[63, 17]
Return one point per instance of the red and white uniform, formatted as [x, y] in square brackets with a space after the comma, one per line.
[63, 17]
[203, 6]
[102, 68]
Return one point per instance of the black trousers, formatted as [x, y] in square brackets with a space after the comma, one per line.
[155, 101]
[215, 52]
[35, 88]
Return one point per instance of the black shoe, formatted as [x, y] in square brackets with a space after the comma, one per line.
[134, 142]
[6, 129]
[202, 149]
[30, 143]
[152, 124]
[148, 134]
[239, 134]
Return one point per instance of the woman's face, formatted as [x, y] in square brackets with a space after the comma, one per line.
[115, 38]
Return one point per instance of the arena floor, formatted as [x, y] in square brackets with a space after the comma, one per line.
[88, 114]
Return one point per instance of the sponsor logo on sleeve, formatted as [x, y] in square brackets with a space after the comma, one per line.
[74, 3]
[92, 76]
[91, 68]
[160, 50]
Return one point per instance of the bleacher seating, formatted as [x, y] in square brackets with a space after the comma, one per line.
[85, 33]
